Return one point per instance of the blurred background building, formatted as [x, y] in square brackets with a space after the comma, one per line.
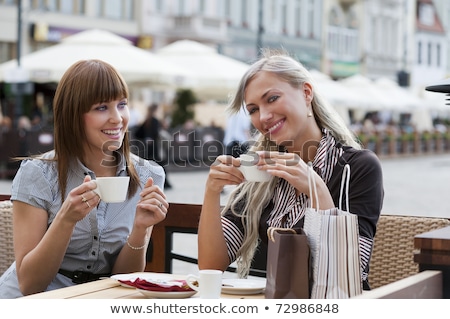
[381, 44]
[339, 37]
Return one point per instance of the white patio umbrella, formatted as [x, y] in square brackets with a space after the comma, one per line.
[371, 97]
[338, 95]
[213, 75]
[135, 64]
[402, 100]
[335, 92]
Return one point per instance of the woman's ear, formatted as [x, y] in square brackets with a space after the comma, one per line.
[308, 92]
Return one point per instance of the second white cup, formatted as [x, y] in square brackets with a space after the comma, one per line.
[112, 189]
[209, 283]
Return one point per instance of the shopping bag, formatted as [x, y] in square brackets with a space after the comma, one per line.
[333, 237]
[287, 264]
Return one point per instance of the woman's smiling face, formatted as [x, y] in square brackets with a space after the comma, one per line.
[106, 124]
[279, 110]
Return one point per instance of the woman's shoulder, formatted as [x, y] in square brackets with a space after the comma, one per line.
[359, 156]
[362, 162]
[44, 163]
[42, 171]
[146, 167]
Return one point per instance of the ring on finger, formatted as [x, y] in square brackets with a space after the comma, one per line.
[160, 205]
[83, 199]
[88, 205]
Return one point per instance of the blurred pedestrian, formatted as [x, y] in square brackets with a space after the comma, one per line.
[135, 119]
[149, 134]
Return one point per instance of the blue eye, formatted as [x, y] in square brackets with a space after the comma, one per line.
[123, 105]
[101, 107]
[252, 110]
[273, 98]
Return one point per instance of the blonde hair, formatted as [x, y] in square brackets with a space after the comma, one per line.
[256, 196]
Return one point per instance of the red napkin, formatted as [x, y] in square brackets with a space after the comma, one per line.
[166, 286]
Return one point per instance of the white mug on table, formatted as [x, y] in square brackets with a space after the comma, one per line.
[209, 283]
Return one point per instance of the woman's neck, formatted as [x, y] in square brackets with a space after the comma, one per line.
[307, 147]
[103, 165]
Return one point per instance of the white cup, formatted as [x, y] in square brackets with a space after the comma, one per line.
[209, 283]
[112, 189]
[250, 170]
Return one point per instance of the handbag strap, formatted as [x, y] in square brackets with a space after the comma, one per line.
[312, 185]
[271, 230]
[345, 182]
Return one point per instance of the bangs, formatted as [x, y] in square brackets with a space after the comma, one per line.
[103, 84]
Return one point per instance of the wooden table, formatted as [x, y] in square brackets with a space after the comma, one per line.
[434, 254]
[111, 289]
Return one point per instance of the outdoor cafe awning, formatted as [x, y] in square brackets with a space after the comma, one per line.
[135, 64]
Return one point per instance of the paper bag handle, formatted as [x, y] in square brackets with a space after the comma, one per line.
[312, 185]
[271, 230]
[345, 182]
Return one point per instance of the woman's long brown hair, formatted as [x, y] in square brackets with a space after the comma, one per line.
[84, 84]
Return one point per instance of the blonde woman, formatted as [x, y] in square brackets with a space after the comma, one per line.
[295, 126]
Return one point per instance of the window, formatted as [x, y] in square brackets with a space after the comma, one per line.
[159, 5]
[311, 18]
[430, 53]
[118, 9]
[333, 19]
[38, 4]
[426, 14]
[7, 51]
[52, 5]
[128, 10]
[181, 8]
[80, 7]
[244, 14]
[202, 7]
[62, 6]
[419, 53]
[438, 55]
[298, 18]
[284, 17]
[66, 6]
[227, 8]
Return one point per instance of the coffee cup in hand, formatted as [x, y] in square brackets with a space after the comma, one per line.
[113, 189]
[250, 170]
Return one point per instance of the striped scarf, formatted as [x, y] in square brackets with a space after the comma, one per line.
[289, 208]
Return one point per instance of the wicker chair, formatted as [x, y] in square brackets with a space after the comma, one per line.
[6, 236]
[393, 252]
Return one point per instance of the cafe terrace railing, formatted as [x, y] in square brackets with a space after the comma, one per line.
[197, 148]
[386, 143]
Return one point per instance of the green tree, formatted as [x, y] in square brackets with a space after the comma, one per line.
[184, 102]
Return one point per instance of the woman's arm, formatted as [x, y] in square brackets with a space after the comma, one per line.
[151, 209]
[212, 249]
[366, 192]
[39, 251]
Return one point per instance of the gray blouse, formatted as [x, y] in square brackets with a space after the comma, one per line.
[98, 238]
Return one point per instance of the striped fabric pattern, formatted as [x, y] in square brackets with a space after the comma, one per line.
[289, 209]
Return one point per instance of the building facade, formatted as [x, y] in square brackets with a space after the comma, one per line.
[376, 38]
